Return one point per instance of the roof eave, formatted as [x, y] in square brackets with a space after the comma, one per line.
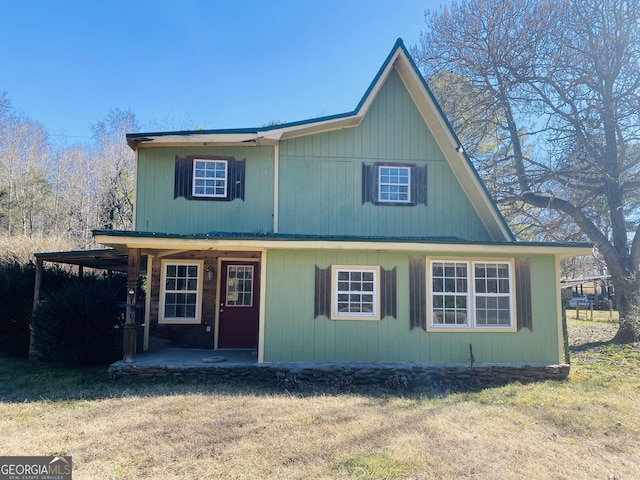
[122, 240]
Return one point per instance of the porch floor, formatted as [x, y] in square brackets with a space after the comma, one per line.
[173, 357]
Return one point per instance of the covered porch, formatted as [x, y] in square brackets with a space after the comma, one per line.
[148, 335]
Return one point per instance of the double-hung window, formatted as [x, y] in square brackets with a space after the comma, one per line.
[394, 184]
[210, 178]
[475, 295]
[493, 291]
[181, 287]
[450, 293]
[355, 293]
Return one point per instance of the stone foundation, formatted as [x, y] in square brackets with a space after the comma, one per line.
[350, 375]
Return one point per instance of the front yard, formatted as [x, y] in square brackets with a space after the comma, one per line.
[584, 428]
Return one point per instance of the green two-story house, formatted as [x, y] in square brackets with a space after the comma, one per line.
[364, 236]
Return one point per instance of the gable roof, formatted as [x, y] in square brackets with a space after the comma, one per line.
[422, 96]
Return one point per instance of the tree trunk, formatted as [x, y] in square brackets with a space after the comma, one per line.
[627, 293]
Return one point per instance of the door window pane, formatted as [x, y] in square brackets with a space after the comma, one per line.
[239, 286]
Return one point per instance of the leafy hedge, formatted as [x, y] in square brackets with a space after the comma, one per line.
[16, 303]
[80, 323]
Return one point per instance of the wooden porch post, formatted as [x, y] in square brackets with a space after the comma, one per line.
[147, 305]
[36, 301]
[130, 326]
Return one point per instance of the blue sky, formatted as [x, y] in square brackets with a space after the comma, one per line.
[187, 64]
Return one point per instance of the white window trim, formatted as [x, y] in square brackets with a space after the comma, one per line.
[375, 315]
[471, 324]
[194, 178]
[408, 184]
[163, 275]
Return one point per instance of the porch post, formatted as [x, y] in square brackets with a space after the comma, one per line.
[147, 305]
[36, 301]
[133, 273]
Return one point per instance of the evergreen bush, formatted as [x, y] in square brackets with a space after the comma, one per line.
[16, 302]
[79, 324]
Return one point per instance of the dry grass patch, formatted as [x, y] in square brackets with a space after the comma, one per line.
[20, 248]
[587, 427]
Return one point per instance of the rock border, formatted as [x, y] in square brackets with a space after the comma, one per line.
[349, 375]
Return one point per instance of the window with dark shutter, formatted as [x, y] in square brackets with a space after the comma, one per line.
[354, 293]
[216, 178]
[396, 184]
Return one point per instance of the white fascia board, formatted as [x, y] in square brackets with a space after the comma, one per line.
[219, 139]
[149, 243]
[320, 127]
[448, 144]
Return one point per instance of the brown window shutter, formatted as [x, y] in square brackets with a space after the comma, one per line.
[182, 180]
[388, 297]
[523, 294]
[235, 186]
[419, 184]
[369, 183]
[322, 303]
[417, 293]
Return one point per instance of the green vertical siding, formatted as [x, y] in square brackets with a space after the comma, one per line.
[292, 334]
[158, 211]
[321, 177]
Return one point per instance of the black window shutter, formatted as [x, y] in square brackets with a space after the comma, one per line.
[388, 297]
[369, 183]
[417, 293]
[182, 180]
[322, 303]
[419, 184]
[235, 187]
[523, 294]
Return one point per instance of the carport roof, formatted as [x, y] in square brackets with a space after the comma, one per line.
[103, 259]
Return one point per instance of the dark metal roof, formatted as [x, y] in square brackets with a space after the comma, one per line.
[105, 259]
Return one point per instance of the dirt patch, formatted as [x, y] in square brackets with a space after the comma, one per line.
[580, 336]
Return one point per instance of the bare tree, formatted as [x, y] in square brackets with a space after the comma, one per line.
[77, 211]
[115, 169]
[25, 160]
[563, 79]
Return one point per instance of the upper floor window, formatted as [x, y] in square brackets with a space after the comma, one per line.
[394, 184]
[209, 178]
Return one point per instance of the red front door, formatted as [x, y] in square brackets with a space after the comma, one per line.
[239, 305]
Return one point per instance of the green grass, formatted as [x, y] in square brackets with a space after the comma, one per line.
[373, 466]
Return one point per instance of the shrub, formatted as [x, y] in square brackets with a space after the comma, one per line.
[16, 303]
[16, 300]
[79, 323]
